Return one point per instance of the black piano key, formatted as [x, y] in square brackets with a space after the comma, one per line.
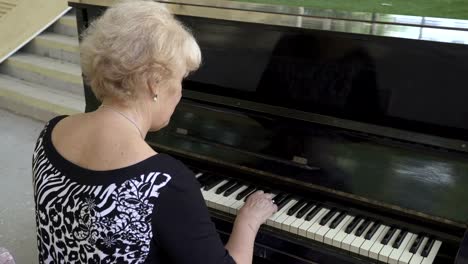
[388, 235]
[363, 227]
[248, 195]
[353, 224]
[296, 207]
[400, 238]
[245, 192]
[326, 218]
[213, 183]
[416, 244]
[427, 248]
[205, 178]
[284, 201]
[337, 220]
[371, 232]
[225, 186]
[279, 197]
[210, 180]
[305, 209]
[312, 213]
[233, 189]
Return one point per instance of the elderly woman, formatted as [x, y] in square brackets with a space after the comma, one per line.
[102, 194]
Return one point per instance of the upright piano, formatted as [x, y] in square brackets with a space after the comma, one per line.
[357, 122]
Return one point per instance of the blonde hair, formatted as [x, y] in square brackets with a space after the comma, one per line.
[134, 43]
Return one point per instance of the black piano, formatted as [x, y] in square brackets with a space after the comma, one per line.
[357, 122]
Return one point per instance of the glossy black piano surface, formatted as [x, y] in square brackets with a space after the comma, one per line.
[365, 121]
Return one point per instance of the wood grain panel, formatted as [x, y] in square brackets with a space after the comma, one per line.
[7, 6]
[22, 20]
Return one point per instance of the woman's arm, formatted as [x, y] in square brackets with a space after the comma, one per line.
[183, 230]
[257, 209]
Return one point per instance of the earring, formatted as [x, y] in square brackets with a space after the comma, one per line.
[155, 98]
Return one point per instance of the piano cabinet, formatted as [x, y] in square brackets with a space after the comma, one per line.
[357, 122]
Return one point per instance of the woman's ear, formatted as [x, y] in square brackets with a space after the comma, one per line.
[152, 87]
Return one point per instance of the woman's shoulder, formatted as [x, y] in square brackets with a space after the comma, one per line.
[51, 123]
[183, 175]
[151, 162]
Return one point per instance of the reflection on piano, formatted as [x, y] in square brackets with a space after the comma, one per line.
[356, 123]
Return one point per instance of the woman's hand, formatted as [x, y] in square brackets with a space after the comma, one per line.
[257, 209]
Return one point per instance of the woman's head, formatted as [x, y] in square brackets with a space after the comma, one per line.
[137, 51]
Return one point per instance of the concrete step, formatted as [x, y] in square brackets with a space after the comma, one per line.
[66, 25]
[56, 46]
[37, 101]
[49, 72]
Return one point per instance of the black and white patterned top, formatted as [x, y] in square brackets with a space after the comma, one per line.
[150, 212]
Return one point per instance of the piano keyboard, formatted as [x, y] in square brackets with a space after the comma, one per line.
[352, 233]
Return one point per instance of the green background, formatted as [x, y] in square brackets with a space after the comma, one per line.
[430, 8]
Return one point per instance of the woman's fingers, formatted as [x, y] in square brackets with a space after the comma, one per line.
[259, 207]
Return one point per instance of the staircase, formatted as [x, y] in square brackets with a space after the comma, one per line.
[43, 79]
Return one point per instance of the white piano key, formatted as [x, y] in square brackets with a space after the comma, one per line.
[216, 201]
[302, 230]
[221, 204]
[367, 245]
[212, 196]
[240, 206]
[312, 230]
[294, 228]
[407, 255]
[387, 249]
[396, 253]
[207, 196]
[280, 219]
[341, 235]
[237, 206]
[332, 233]
[348, 240]
[433, 253]
[204, 193]
[225, 201]
[286, 225]
[417, 258]
[357, 243]
[375, 249]
[232, 204]
[323, 230]
[271, 220]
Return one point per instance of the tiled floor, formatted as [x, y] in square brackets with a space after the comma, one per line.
[17, 226]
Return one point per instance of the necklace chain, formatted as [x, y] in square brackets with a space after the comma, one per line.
[120, 113]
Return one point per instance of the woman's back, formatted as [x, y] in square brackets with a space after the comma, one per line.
[84, 215]
[149, 212]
